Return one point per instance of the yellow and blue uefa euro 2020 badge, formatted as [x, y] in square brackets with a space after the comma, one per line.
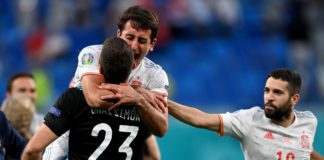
[87, 59]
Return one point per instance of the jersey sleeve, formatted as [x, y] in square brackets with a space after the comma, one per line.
[88, 63]
[59, 116]
[309, 116]
[236, 124]
[314, 131]
[159, 82]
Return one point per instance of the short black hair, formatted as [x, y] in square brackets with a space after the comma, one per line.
[292, 77]
[16, 76]
[141, 18]
[116, 60]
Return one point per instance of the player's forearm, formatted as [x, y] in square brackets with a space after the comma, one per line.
[183, 113]
[28, 155]
[156, 99]
[92, 92]
[43, 137]
[93, 99]
[154, 120]
[32, 151]
[193, 116]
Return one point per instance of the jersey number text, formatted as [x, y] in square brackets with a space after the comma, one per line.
[124, 148]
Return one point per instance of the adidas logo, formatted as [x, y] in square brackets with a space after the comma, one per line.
[269, 135]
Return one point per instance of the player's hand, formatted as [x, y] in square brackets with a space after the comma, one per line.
[156, 99]
[123, 94]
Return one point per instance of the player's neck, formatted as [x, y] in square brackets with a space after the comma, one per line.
[285, 121]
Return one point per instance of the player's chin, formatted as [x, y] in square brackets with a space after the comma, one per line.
[269, 112]
[268, 109]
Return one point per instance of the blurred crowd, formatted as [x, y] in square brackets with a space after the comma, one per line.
[218, 50]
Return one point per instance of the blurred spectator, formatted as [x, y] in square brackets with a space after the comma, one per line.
[43, 45]
[20, 111]
[24, 84]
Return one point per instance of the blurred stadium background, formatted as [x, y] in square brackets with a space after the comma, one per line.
[217, 54]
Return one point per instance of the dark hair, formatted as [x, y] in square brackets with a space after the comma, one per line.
[141, 18]
[293, 79]
[16, 76]
[116, 60]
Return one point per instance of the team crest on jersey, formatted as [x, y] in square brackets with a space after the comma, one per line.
[305, 141]
[286, 140]
[87, 59]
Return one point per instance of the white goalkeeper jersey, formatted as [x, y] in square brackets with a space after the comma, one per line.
[262, 139]
[147, 74]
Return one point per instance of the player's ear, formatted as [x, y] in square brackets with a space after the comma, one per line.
[295, 98]
[153, 44]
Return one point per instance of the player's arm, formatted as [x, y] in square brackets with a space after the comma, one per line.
[38, 142]
[316, 156]
[193, 116]
[151, 151]
[92, 92]
[156, 99]
[88, 73]
[153, 119]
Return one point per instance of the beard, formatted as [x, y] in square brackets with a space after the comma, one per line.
[278, 112]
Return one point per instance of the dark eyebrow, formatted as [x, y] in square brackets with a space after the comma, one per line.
[127, 34]
[278, 91]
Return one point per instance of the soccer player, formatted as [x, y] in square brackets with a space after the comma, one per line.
[138, 26]
[11, 142]
[97, 133]
[276, 132]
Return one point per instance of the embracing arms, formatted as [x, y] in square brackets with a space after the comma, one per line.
[92, 92]
[155, 121]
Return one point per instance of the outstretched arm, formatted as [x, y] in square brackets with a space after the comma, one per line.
[43, 137]
[154, 120]
[193, 116]
[316, 156]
